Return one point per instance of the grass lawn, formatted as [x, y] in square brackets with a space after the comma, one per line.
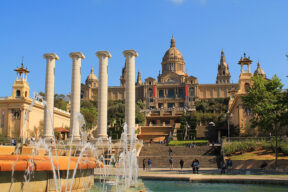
[257, 155]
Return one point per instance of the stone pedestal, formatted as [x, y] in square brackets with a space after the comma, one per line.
[75, 94]
[49, 94]
[102, 94]
[130, 90]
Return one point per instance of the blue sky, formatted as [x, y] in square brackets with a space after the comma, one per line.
[201, 28]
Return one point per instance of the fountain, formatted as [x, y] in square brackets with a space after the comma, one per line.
[47, 166]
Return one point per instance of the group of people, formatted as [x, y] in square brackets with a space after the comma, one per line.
[149, 164]
[227, 165]
[195, 164]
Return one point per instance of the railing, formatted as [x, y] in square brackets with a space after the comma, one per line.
[157, 125]
[62, 111]
[165, 109]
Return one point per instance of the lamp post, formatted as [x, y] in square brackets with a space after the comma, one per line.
[228, 116]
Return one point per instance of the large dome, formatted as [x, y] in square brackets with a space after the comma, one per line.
[91, 76]
[173, 60]
[172, 53]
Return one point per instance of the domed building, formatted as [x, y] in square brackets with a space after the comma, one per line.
[172, 93]
[259, 71]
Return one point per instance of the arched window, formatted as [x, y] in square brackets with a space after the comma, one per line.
[247, 87]
[25, 93]
[223, 72]
[150, 92]
[18, 93]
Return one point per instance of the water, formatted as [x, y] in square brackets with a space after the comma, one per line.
[127, 166]
[182, 186]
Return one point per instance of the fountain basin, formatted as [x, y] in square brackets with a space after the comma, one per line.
[41, 176]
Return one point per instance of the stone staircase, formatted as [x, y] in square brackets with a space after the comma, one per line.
[159, 155]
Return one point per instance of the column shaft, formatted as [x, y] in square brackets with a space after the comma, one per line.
[49, 94]
[130, 90]
[75, 94]
[102, 94]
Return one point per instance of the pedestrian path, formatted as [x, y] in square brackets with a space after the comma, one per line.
[210, 175]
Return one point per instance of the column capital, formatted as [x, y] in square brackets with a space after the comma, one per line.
[51, 55]
[130, 52]
[103, 54]
[77, 54]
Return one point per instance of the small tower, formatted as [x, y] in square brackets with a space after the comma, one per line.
[245, 61]
[139, 79]
[123, 76]
[20, 86]
[223, 75]
[245, 80]
[259, 71]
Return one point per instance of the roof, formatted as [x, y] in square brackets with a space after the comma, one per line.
[61, 130]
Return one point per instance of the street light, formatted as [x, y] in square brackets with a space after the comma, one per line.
[228, 116]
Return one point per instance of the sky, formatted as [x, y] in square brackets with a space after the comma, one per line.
[202, 28]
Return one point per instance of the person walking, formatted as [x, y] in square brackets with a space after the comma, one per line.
[229, 166]
[149, 164]
[170, 151]
[195, 166]
[171, 163]
[223, 167]
[181, 164]
[144, 164]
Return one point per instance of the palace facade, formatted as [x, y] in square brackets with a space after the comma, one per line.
[174, 91]
[173, 88]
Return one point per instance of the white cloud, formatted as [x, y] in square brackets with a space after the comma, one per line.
[203, 2]
[177, 1]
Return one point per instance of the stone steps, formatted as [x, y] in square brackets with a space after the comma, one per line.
[159, 155]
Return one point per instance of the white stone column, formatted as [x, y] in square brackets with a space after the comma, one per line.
[49, 94]
[130, 89]
[75, 94]
[102, 94]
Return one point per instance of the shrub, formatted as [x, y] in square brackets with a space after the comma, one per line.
[251, 145]
[187, 142]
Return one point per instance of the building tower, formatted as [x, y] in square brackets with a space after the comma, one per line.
[223, 75]
[139, 79]
[245, 75]
[123, 76]
[20, 86]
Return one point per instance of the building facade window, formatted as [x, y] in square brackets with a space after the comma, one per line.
[171, 93]
[160, 105]
[181, 93]
[181, 105]
[171, 105]
[2, 118]
[247, 87]
[161, 93]
[150, 92]
[18, 93]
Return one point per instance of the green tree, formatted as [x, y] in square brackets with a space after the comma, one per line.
[268, 104]
[59, 102]
[89, 111]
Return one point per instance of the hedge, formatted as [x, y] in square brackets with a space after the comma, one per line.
[187, 142]
[251, 145]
